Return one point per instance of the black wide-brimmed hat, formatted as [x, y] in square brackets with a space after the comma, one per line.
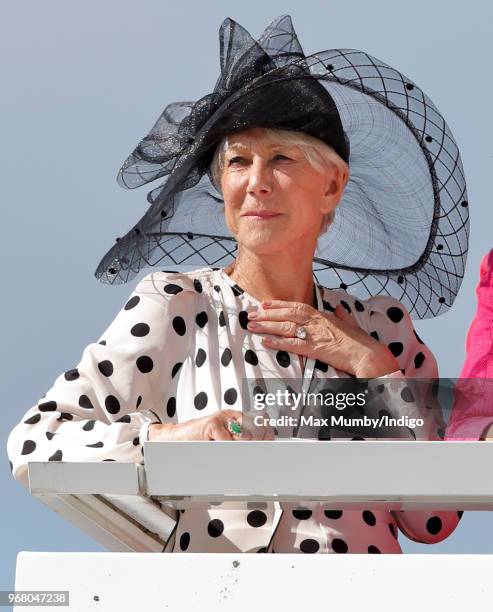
[401, 227]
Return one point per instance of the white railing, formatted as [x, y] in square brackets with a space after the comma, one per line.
[130, 508]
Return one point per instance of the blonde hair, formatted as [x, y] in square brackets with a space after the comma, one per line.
[317, 153]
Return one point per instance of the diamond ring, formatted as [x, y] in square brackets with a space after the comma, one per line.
[301, 332]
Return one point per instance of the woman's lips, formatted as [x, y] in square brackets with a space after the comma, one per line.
[261, 215]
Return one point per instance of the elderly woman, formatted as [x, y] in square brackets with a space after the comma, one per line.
[172, 363]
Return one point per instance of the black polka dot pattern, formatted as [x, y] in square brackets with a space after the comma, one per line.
[215, 528]
[230, 396]
[251, 357]
[179, 326]
[28, 447]
[200, 358]
[346, 306]
[179, 350]
[172, 289]
[176, 369]
[85, 402]
[333, 514]
[144, 364]
[140, 330]
[396, 348]
[243, 319]
[256, 518]
[434, 525]
[105, 367]
[33, 420]
[369, 518]
[237, 290]
[95, 445]
[309, 546]
[57, 456]
[226, 357]
[339, 546]
[47, 406]
[283, 359]
[112, 404]
[320, 365]
[328, 306]
[132, 302]
[373, 550]
[184, 540]
[171, 407]
[407, 395]
[200, 400]
[72, 374]
[302, 515]
[201, 319]
[395, 314]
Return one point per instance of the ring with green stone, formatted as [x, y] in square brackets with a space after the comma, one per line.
[235, 428]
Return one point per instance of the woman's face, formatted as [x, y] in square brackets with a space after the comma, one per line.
[273, 196]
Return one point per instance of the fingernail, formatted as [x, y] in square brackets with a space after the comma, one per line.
[252, 326]
[252, 315]
[268, 303]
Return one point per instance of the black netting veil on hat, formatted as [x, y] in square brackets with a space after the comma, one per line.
[401, 227]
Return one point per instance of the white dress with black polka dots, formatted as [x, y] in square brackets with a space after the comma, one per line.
[179, 349]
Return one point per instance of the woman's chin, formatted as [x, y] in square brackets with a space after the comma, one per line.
[263, 242]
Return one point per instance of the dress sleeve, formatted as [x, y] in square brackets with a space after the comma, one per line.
[472, 412]
[411, 392]
[101, 409]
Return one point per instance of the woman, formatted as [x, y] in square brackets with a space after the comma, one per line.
[172, 363]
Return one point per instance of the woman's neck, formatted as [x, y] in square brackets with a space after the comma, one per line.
[271, 278]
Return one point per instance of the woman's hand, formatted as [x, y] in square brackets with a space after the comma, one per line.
[212, 427]
[335, 339]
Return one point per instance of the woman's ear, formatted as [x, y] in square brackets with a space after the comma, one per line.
[337, 179]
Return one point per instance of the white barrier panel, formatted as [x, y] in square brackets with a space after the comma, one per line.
[392, 474]
[127, 507]
[115, 582]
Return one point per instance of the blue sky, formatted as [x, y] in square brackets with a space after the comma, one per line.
[82, 82]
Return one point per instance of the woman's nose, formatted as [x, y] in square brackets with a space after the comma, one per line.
[260, 179]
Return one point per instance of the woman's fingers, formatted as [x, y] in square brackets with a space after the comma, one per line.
[220, 432]
[217, 427]
[287, 329]
[299, 313]
[342, 314]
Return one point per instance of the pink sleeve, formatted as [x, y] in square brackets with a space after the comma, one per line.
[472, 411]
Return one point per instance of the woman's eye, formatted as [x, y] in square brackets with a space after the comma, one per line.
[236, 160]
[281, 156]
